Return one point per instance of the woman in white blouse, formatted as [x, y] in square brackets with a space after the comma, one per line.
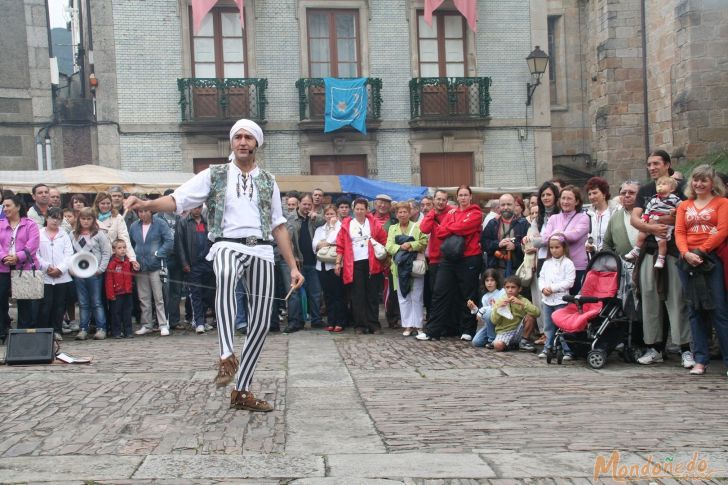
[53, 254]
[325, 237]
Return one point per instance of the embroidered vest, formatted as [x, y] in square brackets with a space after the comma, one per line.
[263, 182]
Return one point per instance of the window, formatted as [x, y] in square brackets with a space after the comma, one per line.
[200, 164]
[333, 44]
[446, 169]
[442, 45]
[339, 165]
[218, 49]
[553, 23]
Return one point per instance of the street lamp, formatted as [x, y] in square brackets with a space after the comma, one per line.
[537, 62]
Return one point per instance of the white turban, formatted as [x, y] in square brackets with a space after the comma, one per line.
[249, 126]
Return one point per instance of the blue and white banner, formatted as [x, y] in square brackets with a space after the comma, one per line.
[346, 104]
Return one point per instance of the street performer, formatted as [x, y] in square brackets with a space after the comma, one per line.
[244, 216]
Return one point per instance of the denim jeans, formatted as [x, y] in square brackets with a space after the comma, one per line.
[89, 300]
[549, 328]
[700, 320]
[173, 291]
[486, 334]
[313, 292]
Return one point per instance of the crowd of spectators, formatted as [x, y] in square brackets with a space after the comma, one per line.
[440, 267]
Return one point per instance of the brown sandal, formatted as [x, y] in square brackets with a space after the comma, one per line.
[246, 400]
[226, 371]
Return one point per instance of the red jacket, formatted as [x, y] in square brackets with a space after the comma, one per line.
[429, 225]
[345, 248]
[463, 222]
[118, 277]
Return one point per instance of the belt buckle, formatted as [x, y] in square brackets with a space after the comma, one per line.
[251, 241]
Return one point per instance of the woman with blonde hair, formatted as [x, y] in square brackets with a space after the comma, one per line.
[405, 239]
[112, 224]
[701, 227]
[88, 238]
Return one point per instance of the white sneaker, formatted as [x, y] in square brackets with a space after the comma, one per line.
[200, 329]
[75, 327]
[65, 328]
[209, 327]
[466, 336]
[100, 335]
[164, 330]
[660, 263]
[422, 336]
[544, 353]
[651, 357]
[567, 358]
[687, 360]
[143, 331]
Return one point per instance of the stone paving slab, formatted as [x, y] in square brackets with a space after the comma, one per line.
[77, 467]
[394, 465]
[230, 466]
[551, 465]
[377, 409]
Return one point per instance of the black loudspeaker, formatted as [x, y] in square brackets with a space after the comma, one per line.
[30, 346]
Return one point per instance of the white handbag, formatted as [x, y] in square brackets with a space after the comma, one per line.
[326, 254]
[419, 266]
[27, 284]
[380, 252]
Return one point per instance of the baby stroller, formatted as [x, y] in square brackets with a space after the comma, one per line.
[594, 323]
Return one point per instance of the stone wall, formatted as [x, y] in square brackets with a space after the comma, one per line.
[148, 63]
[25, 89]
[686, 80]
[700, 79]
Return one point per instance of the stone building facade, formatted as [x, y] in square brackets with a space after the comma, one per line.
[140, 52]
[611, 104]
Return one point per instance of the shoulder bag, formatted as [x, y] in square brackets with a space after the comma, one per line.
[327, 254]
[453, 247]
[419, 265]
[27, 284]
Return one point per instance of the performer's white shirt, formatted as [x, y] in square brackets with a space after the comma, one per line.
[242, 215]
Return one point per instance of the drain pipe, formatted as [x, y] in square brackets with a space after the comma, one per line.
[646, 104]
[39, 149]
[49, 157]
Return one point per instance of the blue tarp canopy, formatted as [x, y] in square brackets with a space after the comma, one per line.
[371, 188]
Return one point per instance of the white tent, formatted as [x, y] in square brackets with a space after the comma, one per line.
[92, 178]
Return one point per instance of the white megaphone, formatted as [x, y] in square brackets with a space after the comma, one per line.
[83, 265]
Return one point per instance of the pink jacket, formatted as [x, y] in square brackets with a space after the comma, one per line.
[28, 237]
[575, 227]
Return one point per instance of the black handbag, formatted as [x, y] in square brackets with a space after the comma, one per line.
[453, 247]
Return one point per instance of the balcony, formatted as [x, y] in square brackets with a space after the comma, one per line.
[215, 101]
[312, 98]
[449, 101]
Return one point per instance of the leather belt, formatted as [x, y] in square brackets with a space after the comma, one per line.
[247, 241]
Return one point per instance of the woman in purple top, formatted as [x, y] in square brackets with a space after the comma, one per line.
[19, 237]
[574, 225]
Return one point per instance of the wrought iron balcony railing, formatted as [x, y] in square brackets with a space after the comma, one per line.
[450, 97]
[312, 98]
[216, 99]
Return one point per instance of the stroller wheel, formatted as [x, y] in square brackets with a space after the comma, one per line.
[596, 359]
[549, 357]
[559, 356]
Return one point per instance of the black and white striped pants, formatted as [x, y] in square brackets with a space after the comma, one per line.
[229, 266]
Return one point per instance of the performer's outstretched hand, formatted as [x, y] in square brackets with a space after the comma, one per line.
[297, 278]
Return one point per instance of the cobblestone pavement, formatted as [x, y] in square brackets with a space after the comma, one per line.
[381, 409]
